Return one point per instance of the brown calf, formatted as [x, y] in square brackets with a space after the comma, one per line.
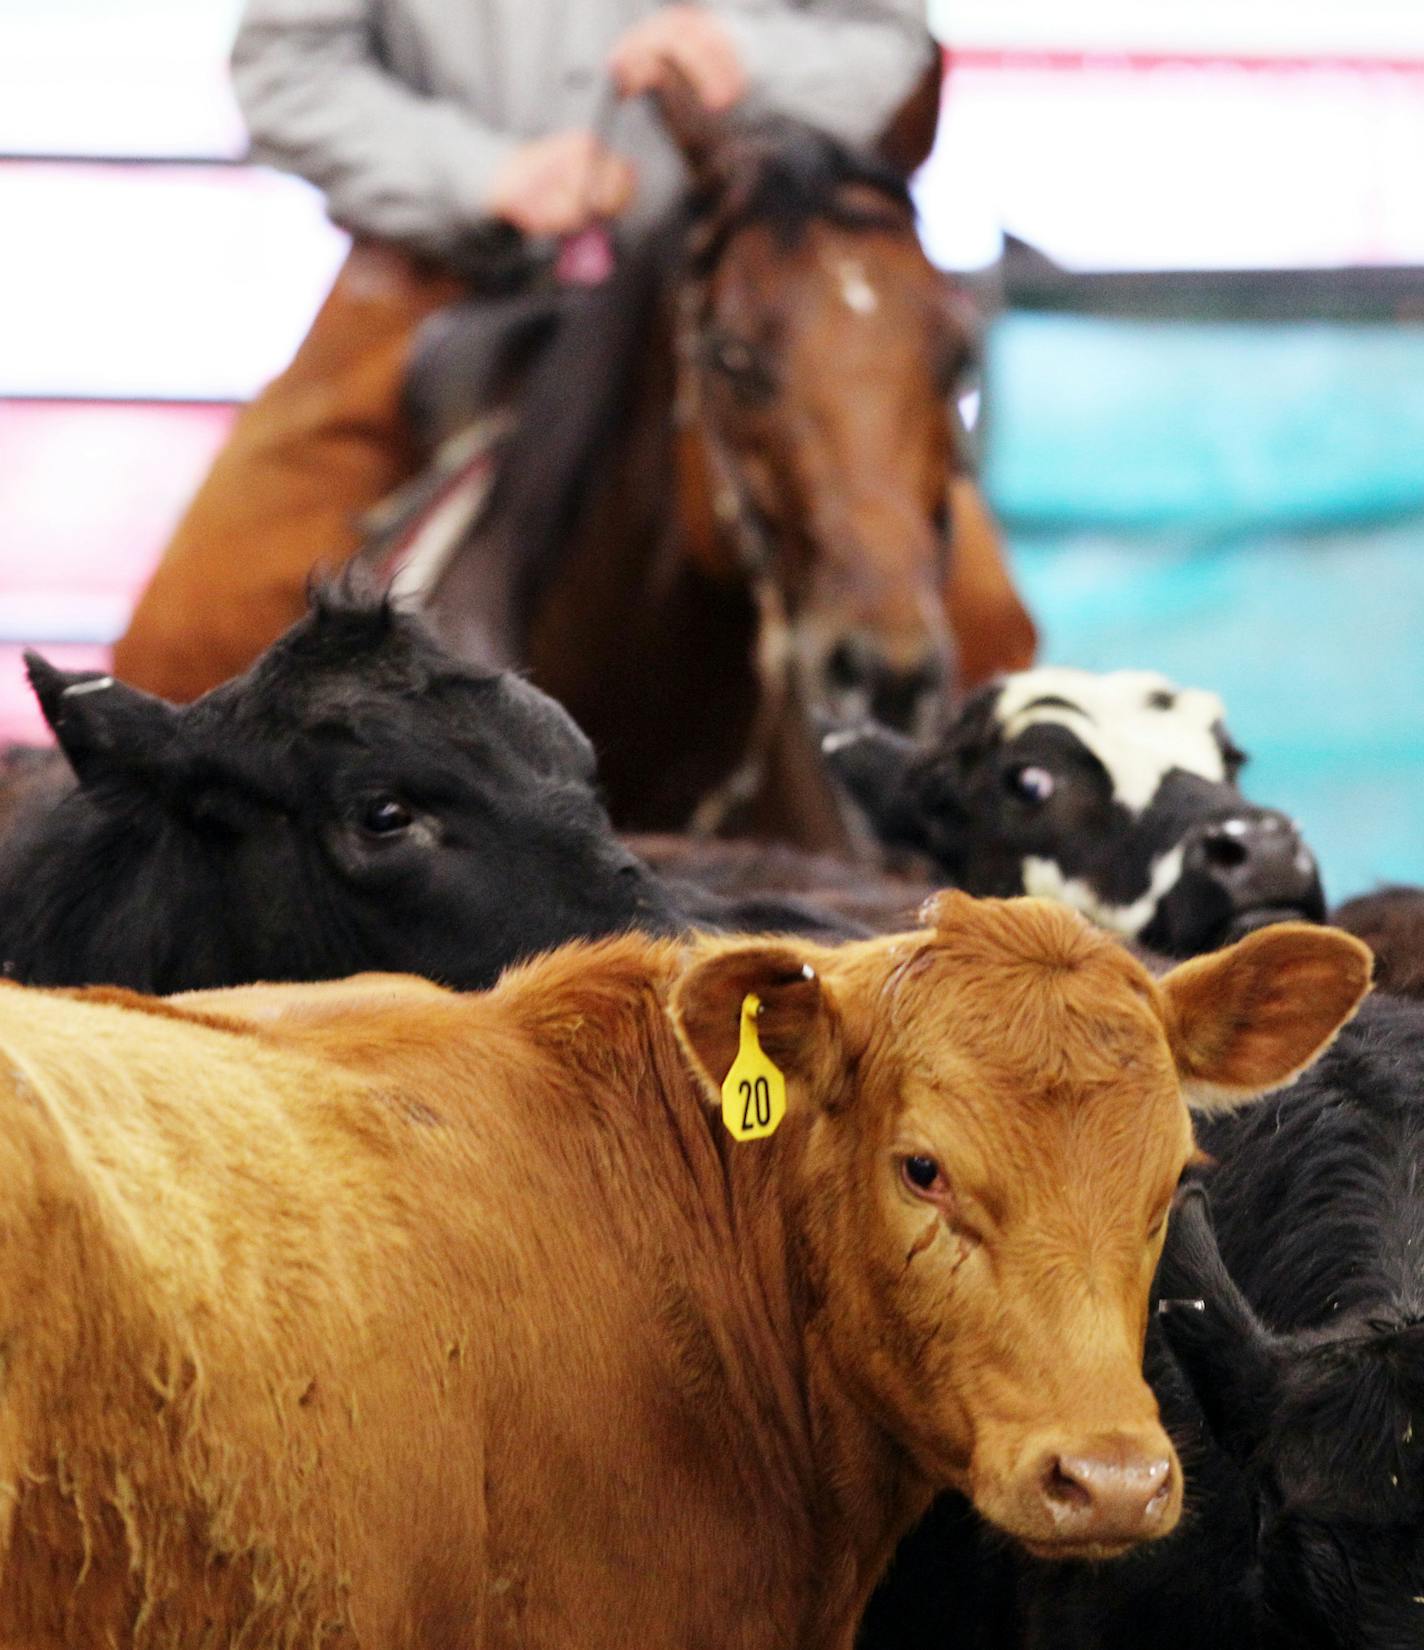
[372, 1315]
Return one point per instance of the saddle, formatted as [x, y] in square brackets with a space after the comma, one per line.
[468, 366]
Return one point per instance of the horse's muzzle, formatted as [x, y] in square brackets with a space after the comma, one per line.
[858, 679]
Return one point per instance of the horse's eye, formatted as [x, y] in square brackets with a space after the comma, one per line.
[922, 1174]
[385, 815]
[1030, 784]
[744, 368]
[733, 356]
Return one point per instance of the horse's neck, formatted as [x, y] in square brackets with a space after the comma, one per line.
[650, 654]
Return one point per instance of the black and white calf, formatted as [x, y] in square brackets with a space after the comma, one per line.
[1114, 793]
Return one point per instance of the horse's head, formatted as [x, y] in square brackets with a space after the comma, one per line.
[819, 351]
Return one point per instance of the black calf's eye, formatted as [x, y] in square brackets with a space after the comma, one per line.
[921, 1173]
[385, 815]
[1030, 784]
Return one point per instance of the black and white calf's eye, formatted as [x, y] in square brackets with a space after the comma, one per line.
[385, 816]
[1030, 783]
[921, 1174]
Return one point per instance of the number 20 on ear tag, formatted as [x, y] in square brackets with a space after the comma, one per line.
[753, 1091]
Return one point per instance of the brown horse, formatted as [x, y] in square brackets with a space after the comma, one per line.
[735, 499]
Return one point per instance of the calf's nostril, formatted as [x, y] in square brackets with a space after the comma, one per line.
[1226, 850]
[1065, 1495]
[1120, 1495]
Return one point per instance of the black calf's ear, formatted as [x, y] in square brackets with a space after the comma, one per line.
[1231, 1359]
[918, 796]
[103, 726]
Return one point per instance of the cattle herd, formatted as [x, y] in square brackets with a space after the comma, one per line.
[386, 1261]
[1076, 1299]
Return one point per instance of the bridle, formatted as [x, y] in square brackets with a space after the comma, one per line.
[746, 529]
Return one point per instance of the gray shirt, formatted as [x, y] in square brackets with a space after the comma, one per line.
[401, 110]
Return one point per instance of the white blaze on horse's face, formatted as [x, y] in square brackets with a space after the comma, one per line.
[1139, 725]
[856, 288]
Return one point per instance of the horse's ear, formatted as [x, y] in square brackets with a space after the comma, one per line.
[102, 726]
[906, 141]
[693, 127]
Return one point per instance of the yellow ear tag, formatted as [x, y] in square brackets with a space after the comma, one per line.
[753, 1091]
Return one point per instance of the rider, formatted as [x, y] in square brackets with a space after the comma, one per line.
[423, 121]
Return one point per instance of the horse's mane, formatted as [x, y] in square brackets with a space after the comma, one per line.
[577, 395]
[774, 172]
[786, 176]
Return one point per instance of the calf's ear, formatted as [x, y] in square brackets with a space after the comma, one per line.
[798, 1024]
[1231, 1360]
[918, 796]
[872, 764]
[1249, 1019]
[103, 726]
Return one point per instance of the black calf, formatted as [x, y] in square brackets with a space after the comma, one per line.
[358, 800]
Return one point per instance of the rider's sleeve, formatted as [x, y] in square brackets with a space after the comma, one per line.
[846, 65]
[392, 163]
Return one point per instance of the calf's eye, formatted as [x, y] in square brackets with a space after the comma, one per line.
[1030, 784]
[922, 1174]
[385, 816]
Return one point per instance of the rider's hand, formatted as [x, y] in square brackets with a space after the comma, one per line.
[558, 185]
[693, 39]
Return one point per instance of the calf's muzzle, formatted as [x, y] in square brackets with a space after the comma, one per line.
[1258, 861]
[1112, 1491]
[1094, 1496]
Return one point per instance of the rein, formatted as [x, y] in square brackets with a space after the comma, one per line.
[733, 513]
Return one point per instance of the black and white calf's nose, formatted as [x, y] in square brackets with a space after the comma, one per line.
[903, 692]
[1257, 858]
